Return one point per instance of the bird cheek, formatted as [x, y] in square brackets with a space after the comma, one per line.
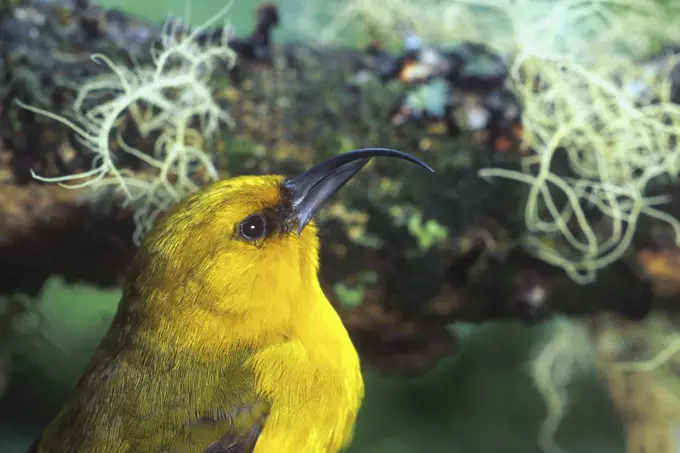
[227, 271]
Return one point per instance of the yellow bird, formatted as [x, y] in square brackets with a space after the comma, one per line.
[224, 340]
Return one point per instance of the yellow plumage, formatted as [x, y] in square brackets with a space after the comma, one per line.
[224, 340]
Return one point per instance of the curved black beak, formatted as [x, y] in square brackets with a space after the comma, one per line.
[309, 191]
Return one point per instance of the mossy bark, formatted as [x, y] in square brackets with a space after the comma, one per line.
[292, 109]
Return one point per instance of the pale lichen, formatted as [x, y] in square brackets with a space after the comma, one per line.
[616, 142]
[171, 100]
[566, 354]
[588, 102]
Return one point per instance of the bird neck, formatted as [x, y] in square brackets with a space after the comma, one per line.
[190, 335]
[190, 331]
[319, 326]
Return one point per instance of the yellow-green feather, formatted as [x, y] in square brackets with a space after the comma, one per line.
[213, 332]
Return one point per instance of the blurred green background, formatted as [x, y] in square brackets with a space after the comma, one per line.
[481, 401]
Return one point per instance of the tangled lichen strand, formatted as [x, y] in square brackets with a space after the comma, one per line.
[167, 99]
[574, 65]
[638, 360]
[511, 26]
[616, 141]
[573, 68]
[566, 354]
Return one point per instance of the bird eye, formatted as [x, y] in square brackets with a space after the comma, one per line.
[253, 228]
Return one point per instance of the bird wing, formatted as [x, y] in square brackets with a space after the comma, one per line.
[232, 432]
[224, 415]
[238, 433]
[230, 443]
[120, 406]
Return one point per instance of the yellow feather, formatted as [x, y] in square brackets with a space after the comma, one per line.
[212, 333]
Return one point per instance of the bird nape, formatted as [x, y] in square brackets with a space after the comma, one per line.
[223, 340]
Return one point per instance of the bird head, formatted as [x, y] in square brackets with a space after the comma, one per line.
[244, 245]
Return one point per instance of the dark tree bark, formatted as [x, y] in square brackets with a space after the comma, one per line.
[401, 326]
